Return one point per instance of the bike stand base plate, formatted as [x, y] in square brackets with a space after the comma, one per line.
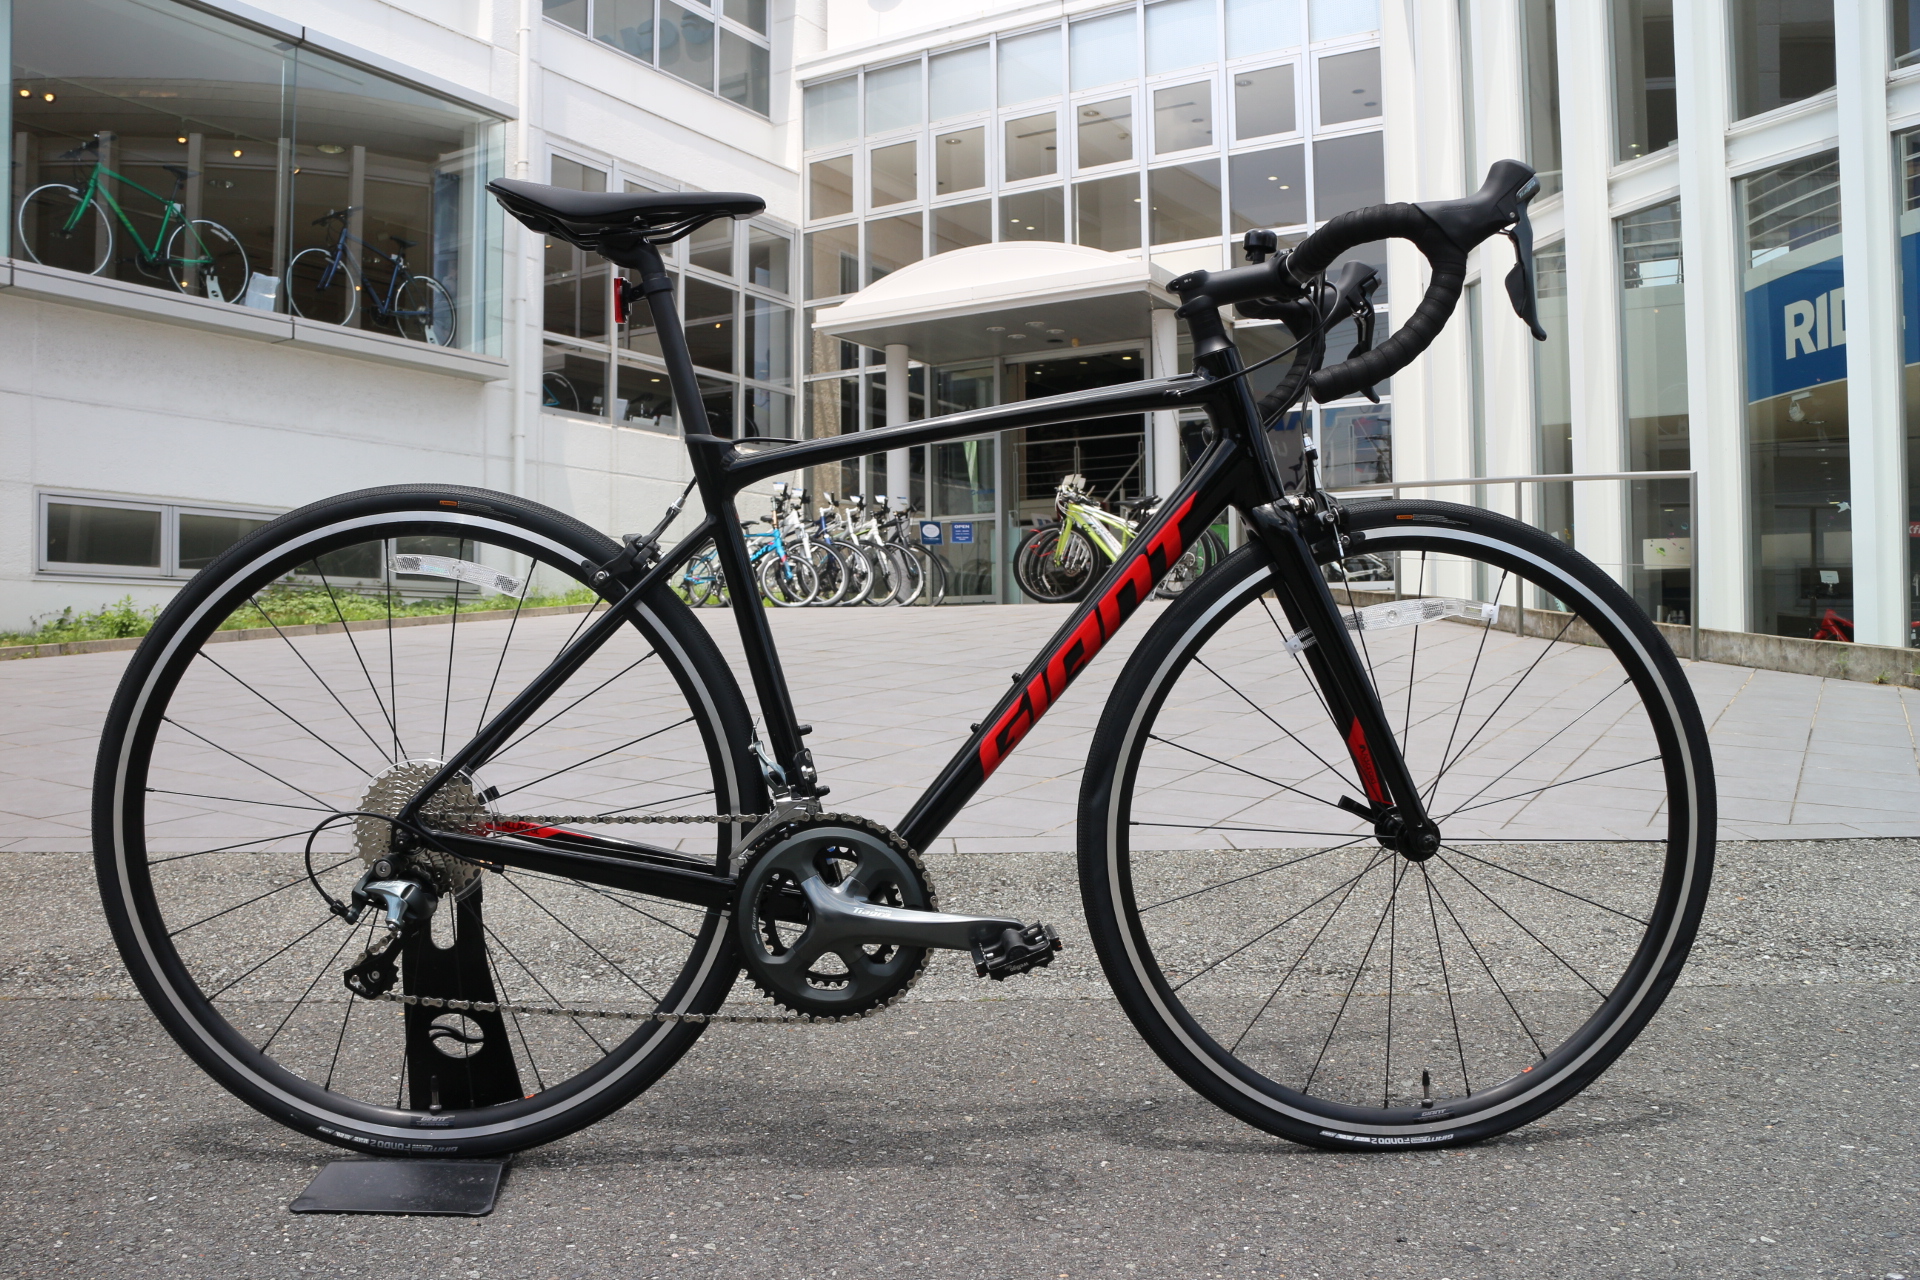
[448, 1188]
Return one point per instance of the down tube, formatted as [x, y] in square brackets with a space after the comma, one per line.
[1175, 527]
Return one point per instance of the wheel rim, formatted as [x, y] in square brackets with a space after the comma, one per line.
[1354, 987]
[43, 236]
[203, 257]
[424, 311]
[314, 293]
[203, 780]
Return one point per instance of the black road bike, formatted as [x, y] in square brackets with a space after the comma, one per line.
[1368, 865]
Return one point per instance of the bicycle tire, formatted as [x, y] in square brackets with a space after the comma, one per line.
[860, 572]
[423, 311]
[217, 268]
[1049, 574]
[934, 569]
[1212, 689]
[316, 293]
[1208, 550]
[179, 685]
[87, 248]
[909, 581]
[830, 571]
[788, 581]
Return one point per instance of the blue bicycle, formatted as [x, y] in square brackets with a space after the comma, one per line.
[788, 571]
[320, 286]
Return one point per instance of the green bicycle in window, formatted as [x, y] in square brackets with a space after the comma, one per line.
[61, 225]
[1057, 563]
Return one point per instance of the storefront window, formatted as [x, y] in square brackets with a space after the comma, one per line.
[1553, 396]
[1653, 378]
[1263, 102]
[1796, 391]
[1542, 85]
[158, 145]
[1644, 100]
[1782, 52]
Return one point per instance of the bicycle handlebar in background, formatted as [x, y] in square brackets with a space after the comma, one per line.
[1445, 231]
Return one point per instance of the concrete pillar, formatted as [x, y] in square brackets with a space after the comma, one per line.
[899, 474]
[1164, 467]
[1875, 432]
[1593, 287]
[1710, 247]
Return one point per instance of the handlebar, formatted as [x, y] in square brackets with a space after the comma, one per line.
[1443, 230]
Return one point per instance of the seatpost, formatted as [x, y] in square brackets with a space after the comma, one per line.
[730, 545]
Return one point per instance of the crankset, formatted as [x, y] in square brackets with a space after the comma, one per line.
[836, 916]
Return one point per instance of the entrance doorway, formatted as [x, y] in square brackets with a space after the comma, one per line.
[1110, 452]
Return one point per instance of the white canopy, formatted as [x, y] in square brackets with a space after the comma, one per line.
[1003, 299]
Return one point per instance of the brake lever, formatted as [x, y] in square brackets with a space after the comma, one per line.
[1523, 286]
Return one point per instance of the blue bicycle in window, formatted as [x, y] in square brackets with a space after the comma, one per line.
[321, 286]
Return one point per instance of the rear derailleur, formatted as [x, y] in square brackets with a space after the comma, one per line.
[406, 904]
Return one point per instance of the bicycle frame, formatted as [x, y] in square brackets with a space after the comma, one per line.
[1108, 532]
[95, 189]
[398, 274]
[1238, 469]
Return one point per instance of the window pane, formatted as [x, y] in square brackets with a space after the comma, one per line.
[1263, 102]
[627, 25]
[573, 381]
[1553, 394]
[1267, 188]
[1906, 32]
[686, 44]
[769, 351]
[1032, 151]
[1107, 212]
[1030, 67]
[767, 255]
[832, 112]
[203, 537]
[1798, 462]
[958, 226]
[833, 262]
[1348, 173]
[1185, 201]
[769, 413]
[959, 161]
[827, 354]
[893, 98]
[1653, 367]
[895, 173]
[959, 83]
[572, 13]
[639, 333]
[1180, 33]
[1034, 215]
[1255, 26]
[1183, 117]
[717, 397]
[745, 74]
[1643, 77]
[748, 13]
[1330, 19]
[891, 244]
[830, 187]
[576, 294]
[1542, 85]
[102, 535]
[644, 399]
[1782, 52]
[1356, 445]
[1350, 86]
[1106, 131]
[1103, 50]
[710, 325]
[711, 247]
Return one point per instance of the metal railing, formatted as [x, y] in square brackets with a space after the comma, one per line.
[1519, 483]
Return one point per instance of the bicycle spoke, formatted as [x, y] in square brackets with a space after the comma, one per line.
[1359, 969]
[261, 897]
[571, 705]
[506, 997]
[519, 602]
[318, 975]
[1214, 826]
[1502, 776]
[1468, 939]
[1541, 942]
[291, 718]
[227, 848]
[544, 990]
[267, 804]
[1544, 885]
[1278, 866]
[1565, 782]
[250, 764]
[1446, 982]
[1479, 651]
[1372, 862]
[453, 633]
[1250, 773]
[1446, 762]
[324, 922]
[605, 959]
[1324, 764]
[590, 759]
[295, 651]
[358, 657]
[1393, 938]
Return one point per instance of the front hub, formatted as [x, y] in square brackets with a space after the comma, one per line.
[1415, 841]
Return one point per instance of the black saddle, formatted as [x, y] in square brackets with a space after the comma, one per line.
[404, 243]
[594, 219]
[178, 172]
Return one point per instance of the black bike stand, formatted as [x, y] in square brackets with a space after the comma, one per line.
[445, 1188]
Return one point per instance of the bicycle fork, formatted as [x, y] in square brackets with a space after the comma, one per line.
[1286, 530]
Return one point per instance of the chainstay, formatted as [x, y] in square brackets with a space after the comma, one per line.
[548, 819]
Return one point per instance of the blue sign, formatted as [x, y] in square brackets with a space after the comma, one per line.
[1910, 300]
[962, 531]
[1797, 331]
[930, 533]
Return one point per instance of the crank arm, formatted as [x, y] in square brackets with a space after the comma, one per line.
[838, 917]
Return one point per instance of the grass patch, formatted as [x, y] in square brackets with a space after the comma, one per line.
[284, 605]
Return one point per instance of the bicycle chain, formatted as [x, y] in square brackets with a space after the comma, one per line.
[549, 819]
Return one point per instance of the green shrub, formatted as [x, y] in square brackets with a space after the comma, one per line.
[116, 621]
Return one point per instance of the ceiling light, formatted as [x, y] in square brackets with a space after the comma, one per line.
[181, 140]
[237, 153]
[1038, 324]
[1056, 331]
[47, 96]
[996, 328]
[26, 93]
[329, 148]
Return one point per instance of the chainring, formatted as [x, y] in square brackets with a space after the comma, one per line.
[772, 928]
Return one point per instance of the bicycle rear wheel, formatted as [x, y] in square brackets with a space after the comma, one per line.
[206, 260]
[423, 311]
[1053, 572]
[222, 761]
[1307, 979]
[789, 581]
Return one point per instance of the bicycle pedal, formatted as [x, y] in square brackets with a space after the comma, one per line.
[1016, 951]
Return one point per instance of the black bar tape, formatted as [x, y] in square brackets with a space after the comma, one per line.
[1363, 226]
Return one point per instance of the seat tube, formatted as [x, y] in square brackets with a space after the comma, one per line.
[730, 543]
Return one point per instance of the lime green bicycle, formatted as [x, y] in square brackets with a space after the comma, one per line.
[61, 225]
[1057, 563]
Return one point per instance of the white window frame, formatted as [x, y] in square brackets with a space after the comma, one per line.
[168, 570]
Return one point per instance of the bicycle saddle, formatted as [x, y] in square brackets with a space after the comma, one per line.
[403, 242]
[178, 172]
[589, 218]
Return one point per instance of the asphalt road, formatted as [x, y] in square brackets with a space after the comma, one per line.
[1764, 1126]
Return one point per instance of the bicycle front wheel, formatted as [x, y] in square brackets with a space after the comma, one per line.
[56, 229]
[206, 260]
[788, 581]
[934, 569]
[423, 311]
[320, 289]
[375, 631]
[1312, 982]
[1053, 571]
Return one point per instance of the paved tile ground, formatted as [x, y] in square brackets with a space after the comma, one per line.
[892, 692]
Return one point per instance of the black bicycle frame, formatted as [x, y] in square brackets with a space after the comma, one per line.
[1237, 469]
